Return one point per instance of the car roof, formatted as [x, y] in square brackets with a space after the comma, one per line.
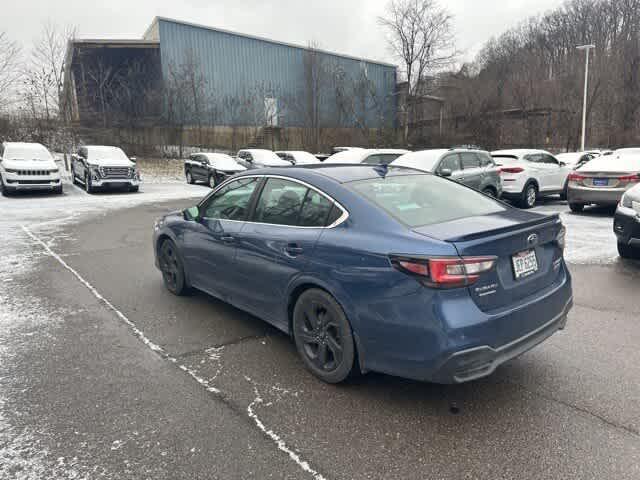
[340, 173]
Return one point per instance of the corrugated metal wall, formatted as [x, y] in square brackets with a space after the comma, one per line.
[239, 72]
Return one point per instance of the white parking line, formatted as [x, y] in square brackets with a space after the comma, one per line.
[279, 443]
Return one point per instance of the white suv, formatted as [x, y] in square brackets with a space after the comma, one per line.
[28, 166]
[530, 174]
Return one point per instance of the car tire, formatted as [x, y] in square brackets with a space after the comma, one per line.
[58, 190]
[489, 192]
[212, 181]
[172, 268]
[3, 187]
[529, 196]
[576, 207]
[563, 194]
[189, 177]
[87, 183]
[323, 336]
[73, 177]
[627, 251]
[134, 189]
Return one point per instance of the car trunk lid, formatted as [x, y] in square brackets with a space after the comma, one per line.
[505, 235]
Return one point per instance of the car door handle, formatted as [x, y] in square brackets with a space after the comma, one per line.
[293, 249]
[227, 238]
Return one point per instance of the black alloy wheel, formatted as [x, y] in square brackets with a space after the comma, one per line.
[212, 180]
[171, 268]
[323, 336]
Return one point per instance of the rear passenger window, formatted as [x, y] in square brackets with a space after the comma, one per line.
[450, 163]
[469, 160]
[315, 211]
[280, 202]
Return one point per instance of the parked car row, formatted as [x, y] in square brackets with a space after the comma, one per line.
[31, 167]
[521, 175]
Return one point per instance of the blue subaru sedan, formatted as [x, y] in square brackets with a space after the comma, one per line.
[374, 268]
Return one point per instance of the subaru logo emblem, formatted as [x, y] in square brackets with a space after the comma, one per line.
[532, 239]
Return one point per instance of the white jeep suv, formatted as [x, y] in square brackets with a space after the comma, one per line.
[28, 166]
[530, 174]
[99, 166]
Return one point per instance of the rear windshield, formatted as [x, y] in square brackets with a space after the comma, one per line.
[418, 200]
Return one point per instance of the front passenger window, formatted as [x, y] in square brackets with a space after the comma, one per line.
[232, 201]
[450, 163]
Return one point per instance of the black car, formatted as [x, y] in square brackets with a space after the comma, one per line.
[211, 168]
[626, 224]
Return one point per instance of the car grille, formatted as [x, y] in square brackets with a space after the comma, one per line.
[114, 172]
[34, 172]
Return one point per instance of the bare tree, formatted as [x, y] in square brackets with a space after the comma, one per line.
[43, 75]
[9, 56]
[420, 35]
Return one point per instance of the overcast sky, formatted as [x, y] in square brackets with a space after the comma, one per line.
[344, 26]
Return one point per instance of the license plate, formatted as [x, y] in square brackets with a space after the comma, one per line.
[600, 182]
[524, 263]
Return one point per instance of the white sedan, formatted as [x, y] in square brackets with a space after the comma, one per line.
[382, 156]
[297, 157]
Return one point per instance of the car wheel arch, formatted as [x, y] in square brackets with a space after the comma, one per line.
[307, 284]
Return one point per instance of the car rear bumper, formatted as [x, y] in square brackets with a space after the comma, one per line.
[626, 226]
[453, 340]
[473, 363]
[600, 196]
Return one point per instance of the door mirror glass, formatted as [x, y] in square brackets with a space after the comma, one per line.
[445, 172]
[192, 213]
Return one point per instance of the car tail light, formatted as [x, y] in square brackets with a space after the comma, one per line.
[561, 238]
[511, 170]
[575, 177]
[445, 272]
[630, 178]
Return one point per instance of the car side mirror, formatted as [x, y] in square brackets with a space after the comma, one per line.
[562, 164]
[446, 172]
[192, 214]
[133, 159]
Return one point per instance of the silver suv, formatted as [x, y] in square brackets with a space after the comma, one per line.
[474, 168]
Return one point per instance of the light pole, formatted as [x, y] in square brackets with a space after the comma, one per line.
[586, 48]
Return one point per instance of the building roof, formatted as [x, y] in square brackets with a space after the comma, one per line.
[157, 19]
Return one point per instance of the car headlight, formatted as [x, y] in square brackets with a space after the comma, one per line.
[626, 201]
[10, 170]
[157, 225]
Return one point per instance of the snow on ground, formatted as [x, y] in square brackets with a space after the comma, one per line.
[590, 237]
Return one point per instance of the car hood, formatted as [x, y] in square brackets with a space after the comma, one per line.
[111, 162]
[29, 164]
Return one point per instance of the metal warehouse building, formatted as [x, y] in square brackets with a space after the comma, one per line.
[190, 74]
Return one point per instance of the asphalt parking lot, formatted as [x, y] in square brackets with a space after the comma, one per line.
[106, 375]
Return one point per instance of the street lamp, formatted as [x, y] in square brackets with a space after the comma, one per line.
[586, 48]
